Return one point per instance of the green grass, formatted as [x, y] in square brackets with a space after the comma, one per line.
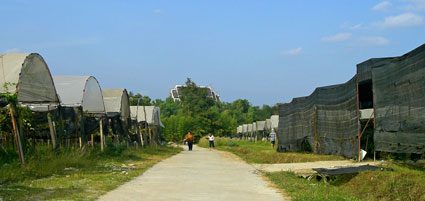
[302, 189]
[262, 152]
[406, 182]
[74, 174]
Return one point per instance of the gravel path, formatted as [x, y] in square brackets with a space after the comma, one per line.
[199, 175]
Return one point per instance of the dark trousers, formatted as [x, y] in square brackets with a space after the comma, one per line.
[212, 144]
[190, 144]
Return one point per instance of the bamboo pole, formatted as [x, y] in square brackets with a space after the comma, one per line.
[358, 118]
[101, 134]
[52, 131]
[17, 138]
[150, 136]
[92, 140]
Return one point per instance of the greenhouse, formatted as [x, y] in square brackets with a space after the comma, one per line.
[82, 106]
[149, 115]
[117, 106]
[28, 75]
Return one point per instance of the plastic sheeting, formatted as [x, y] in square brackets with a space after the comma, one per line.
[325, 122]
[399, 102]
[31, 78]
[80, 91]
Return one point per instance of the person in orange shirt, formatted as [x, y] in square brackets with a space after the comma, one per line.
[189, 140]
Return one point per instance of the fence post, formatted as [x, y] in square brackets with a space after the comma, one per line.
[17, 138]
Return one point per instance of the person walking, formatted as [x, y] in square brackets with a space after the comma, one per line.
[189, 140]
[211, 140]
[272, 138]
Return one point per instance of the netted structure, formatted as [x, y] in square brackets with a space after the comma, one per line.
[398, 100]
[245, 131]
[269, 124]
[249, 131]
[239, 132]
[148, 118]
[325, 122]
[82, 106]
[261, 130]
[117, 106]
[28, 75]
[274, 120]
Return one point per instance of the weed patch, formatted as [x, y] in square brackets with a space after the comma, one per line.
[74, 174]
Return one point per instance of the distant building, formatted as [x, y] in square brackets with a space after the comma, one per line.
[176, 92]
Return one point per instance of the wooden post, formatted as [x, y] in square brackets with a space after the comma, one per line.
[150, 136]
[92, 140]
[17, 138]
[52, 131]
[142, 141]
[358, 117]
[101, 134]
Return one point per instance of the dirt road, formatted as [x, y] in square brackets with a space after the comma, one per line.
[197, 175]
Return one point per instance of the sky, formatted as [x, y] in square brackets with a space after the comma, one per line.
[265, 51]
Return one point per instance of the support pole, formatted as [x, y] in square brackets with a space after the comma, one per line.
[101, 134]
[358, 117]
[142, 141]
[150, 136]
[52, 130]
[17, 138]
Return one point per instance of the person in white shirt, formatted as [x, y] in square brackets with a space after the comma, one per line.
[272, 138]
[211, 139]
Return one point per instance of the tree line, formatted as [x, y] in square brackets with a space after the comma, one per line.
[200, 114]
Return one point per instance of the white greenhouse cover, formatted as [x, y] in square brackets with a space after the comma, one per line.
[268, 124]
[254, 126]
[153, 114]
[80, 91]
[116, 102]
[245, 128]
[261, 125]
[249, 128]
[30, 73]
[275, 121]
[239, 129]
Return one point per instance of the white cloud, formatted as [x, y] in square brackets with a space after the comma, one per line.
[11, 51]
[356, 27]
[402, 20]
[157, 11]
[376, 41]
[414, 5]
[346, 25]
[382, 6]
[295, 51]
[337, 37]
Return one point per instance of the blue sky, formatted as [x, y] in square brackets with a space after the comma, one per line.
[263, 51]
